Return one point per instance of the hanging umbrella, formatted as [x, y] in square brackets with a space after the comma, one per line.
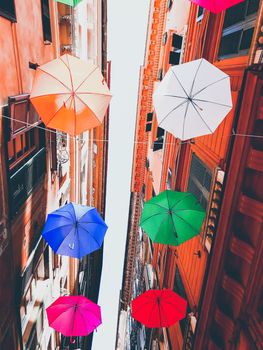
[74, 230]
[70, 2]
[74, 316]
[158, 308]
[70, 95]
[192, 99]
[216, 6]
[172, 217]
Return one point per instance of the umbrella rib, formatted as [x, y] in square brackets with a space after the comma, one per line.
[70, 306]
[74, 102]
[92, 93]
[83, 319]
[55, 228]
[58, 110]
[175, 305]
[91, 222]
[87, 77]
[188, 210]
[185, 222]
[60, 93]
[63, 240]
[84, 228]
[180, 84]
[55, 78]
[186, 110]
[67, 212]
[150, 315]
[202, 118]
[193, 82]
[158, 205]
[88, 107]
[175, 232]
[64, 62]
[164, 312]
[77, 234]
[160, 227]
[173, 110]
[182, 199]
[150, 217]
[198, 92]
[216, 103]
[58, 214]
[176, 96]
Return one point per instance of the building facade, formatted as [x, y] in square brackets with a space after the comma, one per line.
[42, 169]
[219, 271]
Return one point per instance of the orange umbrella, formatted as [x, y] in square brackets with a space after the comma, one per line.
[70, 95]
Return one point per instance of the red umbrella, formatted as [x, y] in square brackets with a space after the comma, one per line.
[216, 6]
[158, 308]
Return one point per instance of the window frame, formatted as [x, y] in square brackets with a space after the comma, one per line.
[200, 17]
[248, 22]
[205, 195]
[47, 37]
[8, 15]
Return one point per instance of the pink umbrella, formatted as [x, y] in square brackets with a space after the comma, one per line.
[74, 315]
[216, 6]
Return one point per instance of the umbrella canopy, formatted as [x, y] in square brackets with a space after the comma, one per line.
[159, 308]
[192, 99]
[74, 230]
[172, 217]
[216, 6]
[70, 2]
[74, 315]
[70, 95]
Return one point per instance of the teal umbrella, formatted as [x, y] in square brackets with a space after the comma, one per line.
[70, 2]
[172, 217]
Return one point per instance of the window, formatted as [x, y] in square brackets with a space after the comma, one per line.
[200, 179]
[177, 41]
[169, 5]
[22, 113]
[169, 179]
[46, 21]
[7, 9]
[174, 58]
[200, 13]
[20, 147]
[164, 38]
[23, 181]
[238, 29]
[159, 261]
[179, 289]
[158, 143]
[175, 53]
[148, 126]
[160, 74]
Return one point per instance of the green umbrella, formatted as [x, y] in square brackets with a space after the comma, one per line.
[172, 217]
[70, 2]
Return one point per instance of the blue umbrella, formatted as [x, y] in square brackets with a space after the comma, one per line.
[74, 230]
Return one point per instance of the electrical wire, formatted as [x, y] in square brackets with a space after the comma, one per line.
[35, 125]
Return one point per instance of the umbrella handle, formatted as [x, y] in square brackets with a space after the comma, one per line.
[72, 341]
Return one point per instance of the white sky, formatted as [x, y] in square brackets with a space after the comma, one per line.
[127, 24]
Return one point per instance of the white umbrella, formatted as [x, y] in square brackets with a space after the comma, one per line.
[192, 99]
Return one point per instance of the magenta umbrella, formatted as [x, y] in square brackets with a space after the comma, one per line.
[74, 315]
[216, 6]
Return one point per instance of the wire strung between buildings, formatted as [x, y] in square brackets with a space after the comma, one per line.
[52, 131]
